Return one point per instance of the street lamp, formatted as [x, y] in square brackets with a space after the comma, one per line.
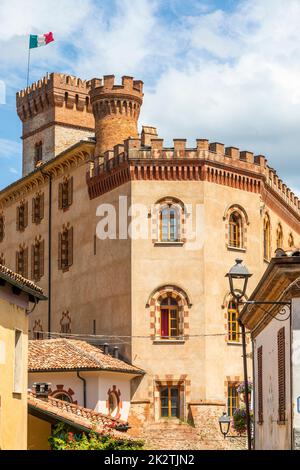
[224, 423]
[238, 277]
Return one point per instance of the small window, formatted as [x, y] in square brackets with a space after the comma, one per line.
[22, 216]
[2, 228]
[63, 396]
[38, 209]
[169, 320]
[279, 236]
[65, 249]
[38, 153]
[65, 196]
[233, 323]
[170, 224]
[291, 241]
[37, 260]
[232, 398]
[22, 262]
[267, 238]
[18, 363]
[235, 230]
[65, 323]
[169, 402]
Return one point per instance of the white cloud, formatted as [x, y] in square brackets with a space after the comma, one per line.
[9, 149]
[229, 76]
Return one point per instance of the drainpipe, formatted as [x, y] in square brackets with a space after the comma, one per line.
[49, 176]
[84, 389]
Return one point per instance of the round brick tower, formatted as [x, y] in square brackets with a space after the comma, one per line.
[116, 110]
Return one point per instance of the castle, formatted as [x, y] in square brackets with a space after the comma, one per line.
[161, 299]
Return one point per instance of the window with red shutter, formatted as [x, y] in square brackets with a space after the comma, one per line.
[260, 384]
[281, 375]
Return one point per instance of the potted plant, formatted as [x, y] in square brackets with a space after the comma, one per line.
[242, 390]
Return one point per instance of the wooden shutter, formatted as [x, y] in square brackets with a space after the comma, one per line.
[32, 262]
[260, 383]
[42, 205]
[60, 195]
[281, 375]
[18, 219]
[41, 258]
[70, 246]
[59, 251]
[25, 262]
[33, 210]
[17, 262]
[25, 214]
[70, 191]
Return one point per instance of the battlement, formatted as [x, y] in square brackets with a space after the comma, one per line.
[106, 87]
[224, 165]
[53, 90]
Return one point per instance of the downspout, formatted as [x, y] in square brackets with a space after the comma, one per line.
[84, 388]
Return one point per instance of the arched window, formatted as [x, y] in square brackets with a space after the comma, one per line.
[235, 230]
[233, 323]
[169, 318]
[169, 223]
[63, 396]
[267, 238]
[291, 240]
[279, 236]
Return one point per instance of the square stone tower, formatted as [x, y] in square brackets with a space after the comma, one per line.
[56, 113]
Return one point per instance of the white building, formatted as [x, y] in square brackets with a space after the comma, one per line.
[83, 374]
[275, 332]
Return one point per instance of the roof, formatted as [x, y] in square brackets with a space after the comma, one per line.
[16, 280]
[68, 354]
[84, 419]
[279, 283]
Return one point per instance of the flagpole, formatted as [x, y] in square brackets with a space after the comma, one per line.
[28, 66]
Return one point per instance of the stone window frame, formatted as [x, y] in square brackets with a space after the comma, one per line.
[65, 248]
[231, 382]
[184, 306]
[65, 315]
[2, 227]
[38, 204]
[22, 216]
[22, 260]
[62, 389]
[230, 210]
[117, 394]
[156, 209]
[37, 259]
[169, 380]
[65, 193]
[37, 330]
[267, 219]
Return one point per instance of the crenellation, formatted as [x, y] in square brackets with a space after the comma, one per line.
[180, 145]
[148, 133]
[232, 152]
[216, 147]
[247, 156]
[202, 144]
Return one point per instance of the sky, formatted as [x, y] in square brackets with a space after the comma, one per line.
[225, 70]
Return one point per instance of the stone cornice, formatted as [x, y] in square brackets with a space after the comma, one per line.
[70, 158]
[57, 123]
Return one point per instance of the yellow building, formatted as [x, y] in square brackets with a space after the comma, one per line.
[17, 297]
[162, 297]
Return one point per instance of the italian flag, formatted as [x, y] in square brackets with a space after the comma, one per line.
[38, 40]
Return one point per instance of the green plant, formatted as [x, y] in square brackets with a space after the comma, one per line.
[240, 420]
[62, 438]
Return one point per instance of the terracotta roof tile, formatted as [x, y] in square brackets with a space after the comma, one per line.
[69, 354]
[19, 281]
[77, 415]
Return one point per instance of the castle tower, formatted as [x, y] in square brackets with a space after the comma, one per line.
[116, 109]
[56, 113]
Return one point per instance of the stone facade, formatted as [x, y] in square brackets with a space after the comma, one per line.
[114, 287]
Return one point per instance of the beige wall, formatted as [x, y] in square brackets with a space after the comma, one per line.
[39, 432]
[13, 408]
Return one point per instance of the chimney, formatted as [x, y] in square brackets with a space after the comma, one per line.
[116, 352]
[41, 390]
[105, 348]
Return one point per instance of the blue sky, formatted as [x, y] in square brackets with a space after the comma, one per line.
[223, 70]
